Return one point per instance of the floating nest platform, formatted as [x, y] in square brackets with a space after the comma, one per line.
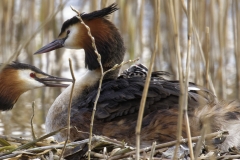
[111, 149]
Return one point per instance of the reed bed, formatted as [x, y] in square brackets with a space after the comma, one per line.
[213, 59]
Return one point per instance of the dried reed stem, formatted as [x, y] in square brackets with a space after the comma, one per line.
[207, 56]
[57, 146]
[181, 97]
[40, 149]
[140, 23]
[18, 140]
[31, 121]
[198, 146]
[14, 139]
[30, 144]
[201, 51]
[69, 108]
[236, 35]
[146, 85]
[187, 78]
[223, 11]
[152, 151]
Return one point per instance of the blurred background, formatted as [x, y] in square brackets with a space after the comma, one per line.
[27, 25]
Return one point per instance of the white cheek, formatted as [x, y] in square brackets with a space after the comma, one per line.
[70, 42]
[29, 83]
[193, 89]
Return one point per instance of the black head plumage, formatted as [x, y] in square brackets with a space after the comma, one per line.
[103, 13]
[17, 65]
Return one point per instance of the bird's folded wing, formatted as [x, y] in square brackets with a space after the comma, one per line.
[122, 97]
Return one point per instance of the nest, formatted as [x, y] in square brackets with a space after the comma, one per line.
[111, 149]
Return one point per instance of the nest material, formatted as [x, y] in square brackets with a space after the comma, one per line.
[106, 148]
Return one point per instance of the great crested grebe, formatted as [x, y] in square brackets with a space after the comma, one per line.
[118, 105]
[17, 78]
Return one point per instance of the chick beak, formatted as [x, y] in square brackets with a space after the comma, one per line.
[52, 81]
[58, 43]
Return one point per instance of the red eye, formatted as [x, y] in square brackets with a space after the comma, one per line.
[32, 75]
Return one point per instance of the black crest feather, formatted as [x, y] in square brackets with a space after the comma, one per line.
[103, 13]
[18, 65]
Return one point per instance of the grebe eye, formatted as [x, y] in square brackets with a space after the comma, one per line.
[68, 31]
[32, 75]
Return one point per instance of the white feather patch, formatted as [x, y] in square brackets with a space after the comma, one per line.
[29, 82]
[193, 89]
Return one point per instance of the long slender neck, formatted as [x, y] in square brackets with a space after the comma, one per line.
[10, 90]
[7, 103]
[109, 44]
